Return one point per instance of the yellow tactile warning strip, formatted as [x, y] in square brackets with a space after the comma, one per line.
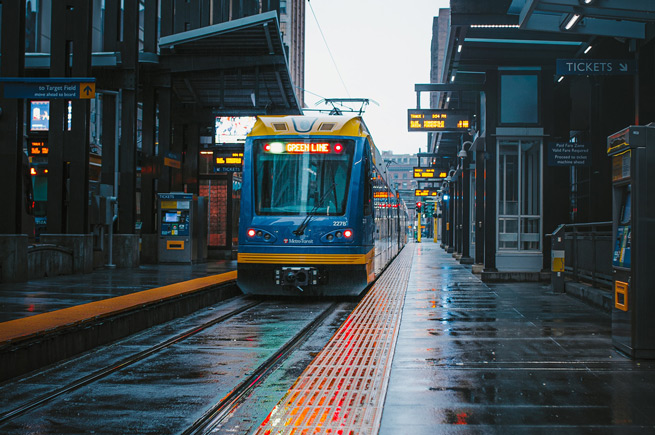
[305, 258]
[343, 389]
[28, 327]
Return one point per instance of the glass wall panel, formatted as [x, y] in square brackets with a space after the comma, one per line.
[531, 176]
[519, 195]
[508, 182]
[508, 233]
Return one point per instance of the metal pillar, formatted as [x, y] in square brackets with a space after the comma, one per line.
[68, 160]
[148, 164]
[129, 53]
[165, 132]
[11, 117]
[466, 213]
[479, 207]
[490, 162]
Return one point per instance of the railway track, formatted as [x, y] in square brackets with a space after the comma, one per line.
[231, 401]
[16, 419]
[120, 365]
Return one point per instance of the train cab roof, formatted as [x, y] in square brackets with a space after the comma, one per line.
[337, 125]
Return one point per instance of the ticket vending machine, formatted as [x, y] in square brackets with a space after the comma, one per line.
[180, 228]
[632, 151]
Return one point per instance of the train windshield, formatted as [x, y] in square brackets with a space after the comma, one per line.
[297, 178]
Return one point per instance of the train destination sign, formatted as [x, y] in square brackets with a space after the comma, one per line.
[429, 173]
[437, 120]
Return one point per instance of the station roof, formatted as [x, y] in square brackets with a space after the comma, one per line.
[237, 67]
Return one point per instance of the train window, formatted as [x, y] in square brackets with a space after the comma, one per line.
[294, 178]
[368, 185]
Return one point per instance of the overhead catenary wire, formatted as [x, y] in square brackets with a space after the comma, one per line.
[328, 48]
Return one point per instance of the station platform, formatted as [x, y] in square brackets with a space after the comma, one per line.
[47, 320]
[24, 299]
[432, 349]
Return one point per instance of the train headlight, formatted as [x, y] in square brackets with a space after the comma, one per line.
[347, 234]
[274, 147]
[251, 233]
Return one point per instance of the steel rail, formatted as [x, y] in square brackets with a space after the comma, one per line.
[99, 374]
[214, 416]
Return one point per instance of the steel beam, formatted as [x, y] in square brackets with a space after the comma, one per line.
[447, 87]
[592, 26]
[12, 30]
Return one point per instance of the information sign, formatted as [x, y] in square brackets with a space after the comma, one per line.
[437, 120]
[173, 160]
[568, 154]
[596, 67]
[49, 89]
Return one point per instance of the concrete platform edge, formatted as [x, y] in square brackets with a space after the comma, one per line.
[19, 357]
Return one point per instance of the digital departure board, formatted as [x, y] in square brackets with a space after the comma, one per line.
[429, 173]
[426, 192]
[37, 148]
[437, 120]
[228, 160]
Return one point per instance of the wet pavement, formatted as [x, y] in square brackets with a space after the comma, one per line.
[18, 300]
[507, 358]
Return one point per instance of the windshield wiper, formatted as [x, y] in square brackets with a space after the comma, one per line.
[301, 228]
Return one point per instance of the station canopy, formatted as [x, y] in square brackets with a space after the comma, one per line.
[233, 68]
[488, 35]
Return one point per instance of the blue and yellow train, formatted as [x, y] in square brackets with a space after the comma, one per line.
[317, 215]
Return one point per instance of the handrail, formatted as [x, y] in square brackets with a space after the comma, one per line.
[587, 224]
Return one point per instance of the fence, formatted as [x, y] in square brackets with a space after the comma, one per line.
[588, 253]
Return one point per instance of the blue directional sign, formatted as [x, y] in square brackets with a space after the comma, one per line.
[69, 88]
[596, 67]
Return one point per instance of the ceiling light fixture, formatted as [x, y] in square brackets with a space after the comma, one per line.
[570, 21]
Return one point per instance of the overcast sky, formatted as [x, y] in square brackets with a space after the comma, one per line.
[381, 49]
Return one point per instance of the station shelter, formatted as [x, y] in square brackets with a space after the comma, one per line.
[545, 83]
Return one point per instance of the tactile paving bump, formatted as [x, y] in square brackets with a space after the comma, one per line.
[343, 389]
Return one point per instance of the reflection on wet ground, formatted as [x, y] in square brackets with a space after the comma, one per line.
[18, 300]
[512, 358]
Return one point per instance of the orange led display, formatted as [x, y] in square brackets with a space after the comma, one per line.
[321, 148]
[437, 120]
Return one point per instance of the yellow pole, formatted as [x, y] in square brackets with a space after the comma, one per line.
[434, 225]
[419, 227]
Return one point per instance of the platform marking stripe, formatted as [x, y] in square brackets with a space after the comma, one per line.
[344, 388]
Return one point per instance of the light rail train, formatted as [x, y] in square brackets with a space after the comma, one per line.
[317, 215]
